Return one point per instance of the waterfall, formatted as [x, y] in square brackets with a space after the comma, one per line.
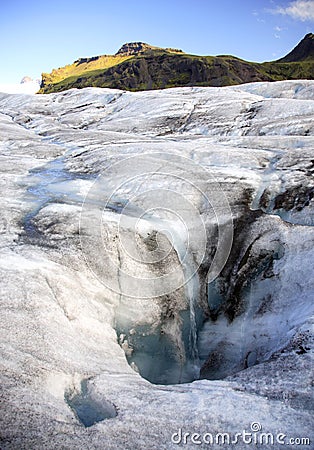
[177, 236]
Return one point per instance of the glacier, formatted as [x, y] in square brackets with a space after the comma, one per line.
[157, 265]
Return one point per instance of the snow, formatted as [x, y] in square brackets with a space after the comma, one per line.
[117, 209]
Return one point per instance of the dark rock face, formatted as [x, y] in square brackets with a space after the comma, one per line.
[134, 48]
[302, 52]
[86, 60]
[166, 70]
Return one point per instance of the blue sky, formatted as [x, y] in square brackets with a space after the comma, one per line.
[37, 36]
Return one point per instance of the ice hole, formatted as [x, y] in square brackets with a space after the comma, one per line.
[87, 409]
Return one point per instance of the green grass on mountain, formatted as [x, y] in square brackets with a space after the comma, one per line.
[83, 66]
[289, 71]
[159, 70]
[156, 68]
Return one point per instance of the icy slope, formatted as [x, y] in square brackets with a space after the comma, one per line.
[117, 210]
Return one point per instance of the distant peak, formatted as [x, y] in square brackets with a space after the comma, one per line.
[134, 48]
[304, 51]
[26, 79]
[137, 48]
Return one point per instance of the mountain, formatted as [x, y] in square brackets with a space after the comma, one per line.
[26, 79]
[304, 51]
[140, 66]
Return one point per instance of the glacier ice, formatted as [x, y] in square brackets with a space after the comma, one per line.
[117, 291]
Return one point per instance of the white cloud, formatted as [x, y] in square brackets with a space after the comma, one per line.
[17, 88]
[298, 9]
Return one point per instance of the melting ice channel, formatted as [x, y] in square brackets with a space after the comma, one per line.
[154, 355]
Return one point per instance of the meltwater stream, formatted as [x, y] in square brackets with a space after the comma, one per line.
[167, 353]
[192, 288]
[179, 242]
[52, 183]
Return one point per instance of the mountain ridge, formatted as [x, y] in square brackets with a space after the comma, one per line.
[141, 66]
[304, 51]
